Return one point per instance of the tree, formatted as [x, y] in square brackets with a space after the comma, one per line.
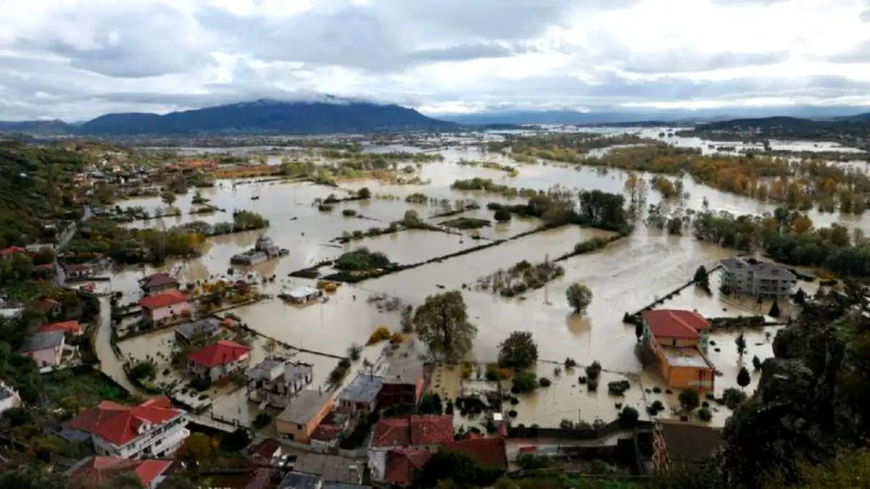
[579, 297]
[638, 330]
[702, 278]
[407, 320]
[741, 345]
[774, 310]
[364, 193]
[690, 399]
[743, 377]
[461, 468]
[756, 363]
[524, 382]
[168, 198]
[502, 215]
[519, 350]
[196, 449]
[442, 323]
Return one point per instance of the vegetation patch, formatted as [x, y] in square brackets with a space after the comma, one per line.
[466, 223]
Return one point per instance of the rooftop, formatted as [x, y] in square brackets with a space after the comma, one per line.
[120, 424]
[272, 368]
[332, 467]
[675, 323]
[404, 371]
[413, 430]
[71, 327]
[102, 470]
[363, 388]
[163, 300]
[42, 341]
[207, 326]
[304, 407]
[761, 269]
[219, 353]
[487, 451]
[299, 480]
[157, 280]
[688, 442]
[403, 463]
[685, 357]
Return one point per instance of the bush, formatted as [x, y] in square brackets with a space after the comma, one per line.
[502, 215]
[324, 208]
[733, 397]
[262, 420]
[491, 372]
[544, 382]
[629, 415]
[705, 415]
[201, 383]
[570, 363]
[348, 212]
[396, 339]
[566, 424]
[524, 382]
[593, 370]
[690, 399]
[380, 334]
[592, 384]
[364, 193]
[143, 370]
[618, 387]
[354, 351]
[530, 461]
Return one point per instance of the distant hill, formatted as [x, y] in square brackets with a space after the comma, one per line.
[849, 131]
[259, 117]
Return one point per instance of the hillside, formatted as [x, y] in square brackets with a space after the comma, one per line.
[259, 117]
[851, 131]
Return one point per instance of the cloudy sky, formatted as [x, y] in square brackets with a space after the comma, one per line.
[75, 59]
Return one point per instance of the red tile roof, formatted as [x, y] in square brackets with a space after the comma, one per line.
[119, 424]
[82, 267]
[413, 430]
[163, 300]
[325, 432]
[487, 451]
[402, 463]
[100, 470]
[12, 250]
[675, 323]
[157, 280]
[219, 353]
[71, 327]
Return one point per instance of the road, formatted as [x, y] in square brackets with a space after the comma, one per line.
[109, 363]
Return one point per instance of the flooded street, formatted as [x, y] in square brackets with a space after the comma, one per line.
[624, 277]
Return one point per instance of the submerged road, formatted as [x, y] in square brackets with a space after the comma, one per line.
[110, 364]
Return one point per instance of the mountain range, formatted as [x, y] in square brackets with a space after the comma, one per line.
[259, 117]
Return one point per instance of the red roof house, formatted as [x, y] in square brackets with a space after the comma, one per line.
[70, 327]
[158, 282]
[218, 359]
[487, 451]
[403, 463]
[675, 323]
[679, 340]
[167, 305]
[94, 471]
[413, 431]
[11, 251]
[114, 425]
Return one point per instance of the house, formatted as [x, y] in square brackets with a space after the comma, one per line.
[403, 383]
[361, 395]
[165, 306]
[420, 432]
[298, 420]
[299, 480]
[301, 295]
[81, 270]
[67, 327]
[46, 349]
[333, 468]
[49, 306]
[679, 339]
[757, 278]
[151, 429]
[157, 283]
[490, 452]
[266, 452]
[9, 398]
[218, 360]
[402, 466]
[678, 442]
[276, 381]
[8, 253]
[100, 471]
[204, 330]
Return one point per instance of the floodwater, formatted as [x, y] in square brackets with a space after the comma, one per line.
[624, 277]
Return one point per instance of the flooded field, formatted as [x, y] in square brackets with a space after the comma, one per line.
[624, 277]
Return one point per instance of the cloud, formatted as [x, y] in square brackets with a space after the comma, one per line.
[76, 59]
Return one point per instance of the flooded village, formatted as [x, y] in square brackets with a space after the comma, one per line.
[300, 328]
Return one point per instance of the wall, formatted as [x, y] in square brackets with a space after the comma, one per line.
[162, 313]
[689, 377]
[46, 357]
[303, 434]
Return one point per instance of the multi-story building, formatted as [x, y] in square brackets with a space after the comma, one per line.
[756, 278]
[403, 383]
[679, 339]
[218, 360]
[298, 420]
[152, 429]
[276, 381]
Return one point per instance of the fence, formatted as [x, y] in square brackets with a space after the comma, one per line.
[603, 431]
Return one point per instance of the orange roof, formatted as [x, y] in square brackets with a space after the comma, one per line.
[163, 300]
[487, 451]
[403, 463]
[675, 323]
[71, 327]
[413, 430]
[100, 470]
[219, 353]
[119, 424]
[12, 250]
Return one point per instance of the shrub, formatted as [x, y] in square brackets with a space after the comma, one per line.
[593, 370]
[491, 372]
[524, 382]
[629, 415]
[467, 370]
[354, 351]
[733, 397]
[502, 215]
[530, 461]
[705, 415]
[512, 413]
[324, 208]
[396, 338]
[348, 212]
[618, 387]
[690, 399]
[544, 382]
[592, 384]
[380, 334]
[570, 363]
[262, 420]
[566, 424]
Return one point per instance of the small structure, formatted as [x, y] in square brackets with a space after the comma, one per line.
[490, 452]
[67, 327]
[157, 283]
[333, 468]
[757, 278]
[361, 395]
[204, 329]
[8, 253]
[46, 349]
[266, 452]
[165, 306]
[218, 360]
[299, 480]
[301, 295]
[298, 420]
[678, 339]
[152, 429]
[276, 381]
[9, 398]
[403, 383]
[678, 442]
[263, 250]
[79, 271]
[420, 433]
[99, 471]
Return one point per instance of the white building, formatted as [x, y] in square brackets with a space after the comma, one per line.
[8, 398]
[152, 429]
[276, 381]
[757, 278]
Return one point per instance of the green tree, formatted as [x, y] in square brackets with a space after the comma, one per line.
[168, 198]
[743, 377]
[690, 399]
[524, 382]
[638, 330]
[31, 477]
[143, 370]
[502, 215]
[702, 278]
[364, 193]
[519, 350]
[756, 363]
[774, 310]
[462, 469]
[741, 345]
[579, 297]
[197, 449]
[442, 323]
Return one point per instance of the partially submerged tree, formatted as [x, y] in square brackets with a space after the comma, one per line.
[774, 310]
[741, 345]
[519, 350]
[442, 323]
[690, 400]
[743, 377]
[702, 278]
[579, 297]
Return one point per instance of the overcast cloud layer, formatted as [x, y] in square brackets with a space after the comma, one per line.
[75, 59]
